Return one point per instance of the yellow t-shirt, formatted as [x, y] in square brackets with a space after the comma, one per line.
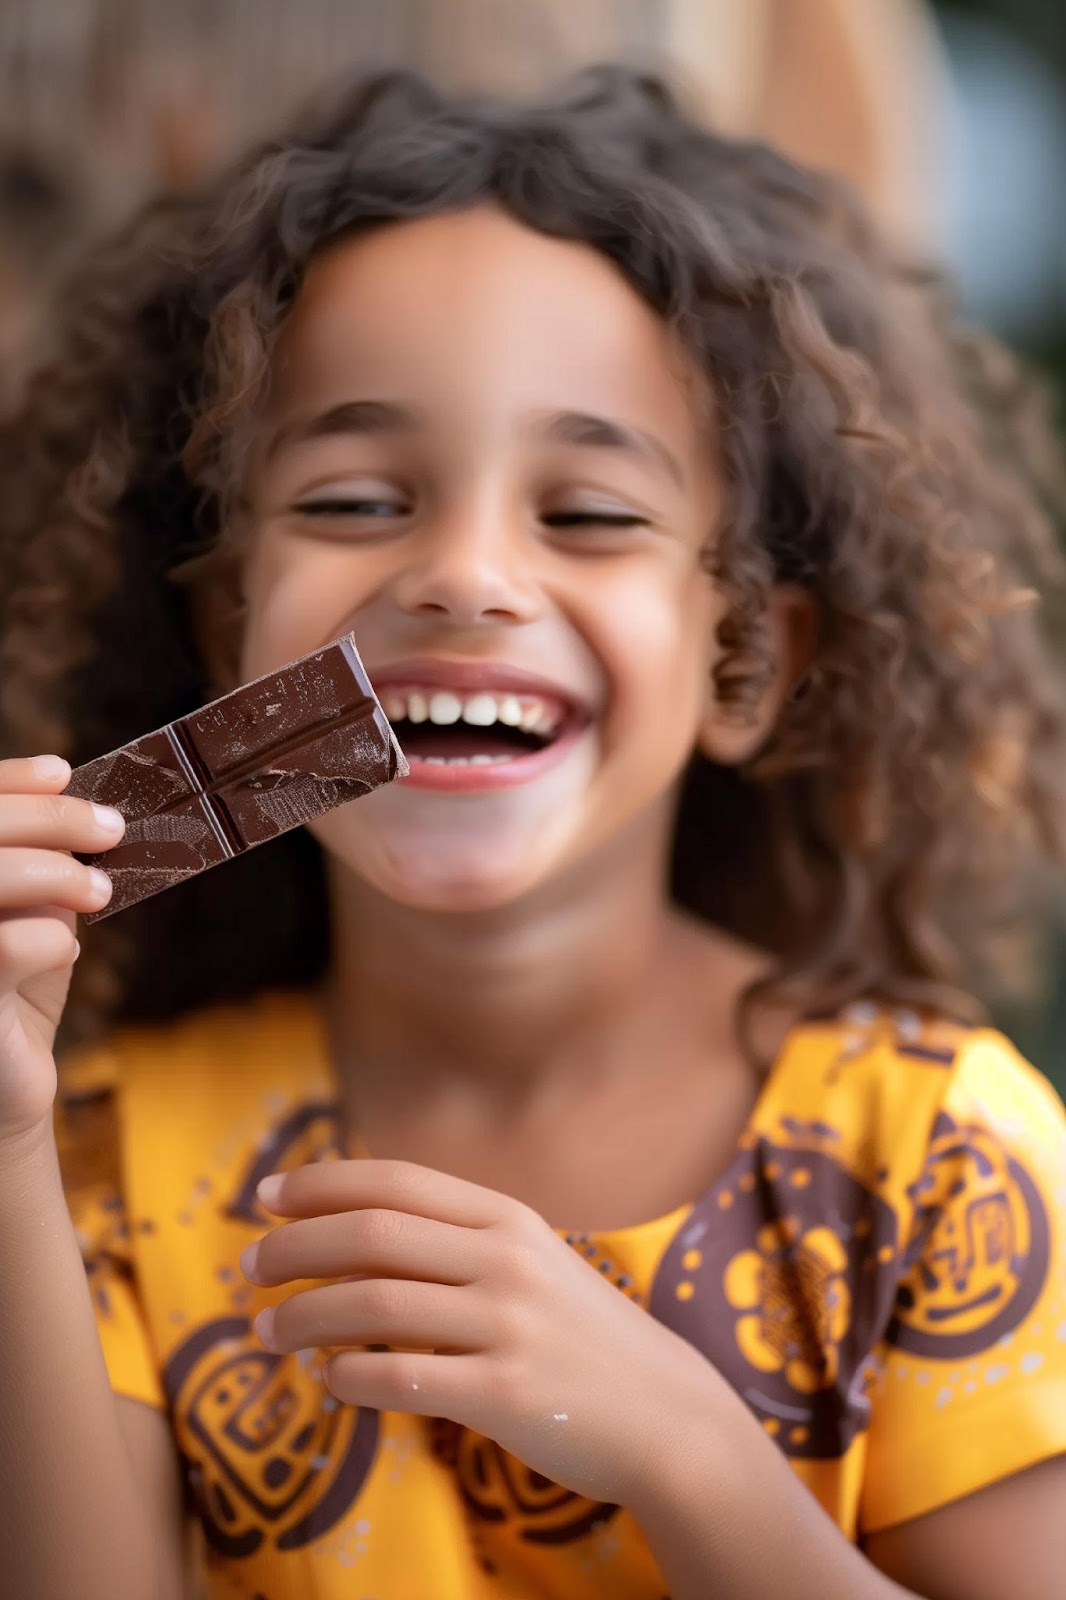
[880, 1272]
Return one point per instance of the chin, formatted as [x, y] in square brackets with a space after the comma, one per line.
[442, 888]
[427, 875]
[452, 859]
[456, 898]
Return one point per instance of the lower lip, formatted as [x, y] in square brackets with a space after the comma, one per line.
[467, 779]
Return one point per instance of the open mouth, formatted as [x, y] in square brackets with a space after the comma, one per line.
[443, 728]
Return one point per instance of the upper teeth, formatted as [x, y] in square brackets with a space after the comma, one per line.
[481, 710]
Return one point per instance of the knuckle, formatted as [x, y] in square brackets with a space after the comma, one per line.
[520, 1264]
[528, 1225]
[400, 1180]
[408, 1186]
[379, 1231]
[510, 1320]
[406, 1378]
[385, 1299]
[56, 811]
[506, 1386]
[392, 1384]
[525, 1244]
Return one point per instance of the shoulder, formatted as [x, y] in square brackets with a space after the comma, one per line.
[993, 1085]
[865, 1028]
[904, 1062]
[867, 1081]
[967, 1382]
[926, 1113]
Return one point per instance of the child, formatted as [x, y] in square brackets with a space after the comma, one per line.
[629, 1239]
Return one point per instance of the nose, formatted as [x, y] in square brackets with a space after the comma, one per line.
[473, 566]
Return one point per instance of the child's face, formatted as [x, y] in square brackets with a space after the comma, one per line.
[440, 536]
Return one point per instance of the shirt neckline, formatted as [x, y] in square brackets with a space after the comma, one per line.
[354, 1148]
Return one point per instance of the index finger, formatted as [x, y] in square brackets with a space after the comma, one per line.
[34, 775]
[326, 1187]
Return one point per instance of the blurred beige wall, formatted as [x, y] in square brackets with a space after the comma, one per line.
[134, 92]
[112, 100]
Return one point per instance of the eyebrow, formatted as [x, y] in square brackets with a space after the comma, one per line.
[365, 418]
[606, 433]
[360, 417]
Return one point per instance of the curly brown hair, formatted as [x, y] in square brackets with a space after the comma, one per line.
[898, 466]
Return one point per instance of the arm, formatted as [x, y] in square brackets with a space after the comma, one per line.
[724, 1513]
[877, 123]
[1006, 1539]
[76, 1519]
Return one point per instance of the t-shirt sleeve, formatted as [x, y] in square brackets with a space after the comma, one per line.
[88, 1132]
[969, 1384]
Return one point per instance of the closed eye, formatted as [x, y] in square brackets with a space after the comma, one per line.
[579, 519]
[554, 519]
[350, 508]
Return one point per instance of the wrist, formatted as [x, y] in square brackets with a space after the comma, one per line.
[686, 1440]
[29, 1155]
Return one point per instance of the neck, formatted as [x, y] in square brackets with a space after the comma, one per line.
[564, 989]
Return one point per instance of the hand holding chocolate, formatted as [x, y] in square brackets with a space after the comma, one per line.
[260, 760]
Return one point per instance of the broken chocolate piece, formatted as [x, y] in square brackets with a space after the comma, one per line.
[264, 758]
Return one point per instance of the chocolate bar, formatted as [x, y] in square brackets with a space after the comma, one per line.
[260, 760]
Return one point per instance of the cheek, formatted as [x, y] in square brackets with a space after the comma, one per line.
[657, 637]
[298, 596]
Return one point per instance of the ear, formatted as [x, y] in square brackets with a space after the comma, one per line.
[729, 736]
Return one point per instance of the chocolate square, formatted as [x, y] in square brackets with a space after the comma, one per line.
[269, 756]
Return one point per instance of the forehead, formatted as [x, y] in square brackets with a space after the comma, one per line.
[474, 307]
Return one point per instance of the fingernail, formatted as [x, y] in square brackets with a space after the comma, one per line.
[77, 948]
[269, 1190]
[264, 1326]
[248, 1260]
[101, 884]
[51, 768]
[108, 818]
